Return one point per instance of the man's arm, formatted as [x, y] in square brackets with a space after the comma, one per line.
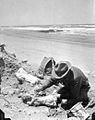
[48, 83]
[59, 87]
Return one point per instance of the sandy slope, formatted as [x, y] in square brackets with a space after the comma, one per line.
[34, 49]
[12, 104]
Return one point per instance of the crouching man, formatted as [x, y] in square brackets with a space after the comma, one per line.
[74, 84]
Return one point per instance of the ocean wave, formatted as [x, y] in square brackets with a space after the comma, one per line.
[85, 36]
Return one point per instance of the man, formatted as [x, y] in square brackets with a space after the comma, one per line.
[74, 84]
[45, 68]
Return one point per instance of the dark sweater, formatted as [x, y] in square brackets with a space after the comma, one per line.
[73, 82]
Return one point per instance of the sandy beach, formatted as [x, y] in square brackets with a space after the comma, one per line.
[31, 30]
[33, 46]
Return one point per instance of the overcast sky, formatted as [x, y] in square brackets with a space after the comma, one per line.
[35, 12]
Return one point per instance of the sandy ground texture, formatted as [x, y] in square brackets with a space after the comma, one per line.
[33, 49]
[11, 92]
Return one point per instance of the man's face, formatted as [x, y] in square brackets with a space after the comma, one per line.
[48, 70]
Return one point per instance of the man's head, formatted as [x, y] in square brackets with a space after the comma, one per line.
[47, 65]
[61, 69]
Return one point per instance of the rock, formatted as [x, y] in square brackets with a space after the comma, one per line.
[10, 91]
[26, 98]
[22, 76]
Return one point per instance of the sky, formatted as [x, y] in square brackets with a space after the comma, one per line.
[44, 12]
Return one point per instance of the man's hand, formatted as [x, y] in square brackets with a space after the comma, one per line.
[56, 94]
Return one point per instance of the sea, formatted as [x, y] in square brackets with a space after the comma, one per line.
[73, 43]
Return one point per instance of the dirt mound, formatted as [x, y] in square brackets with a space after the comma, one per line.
[12, 92]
